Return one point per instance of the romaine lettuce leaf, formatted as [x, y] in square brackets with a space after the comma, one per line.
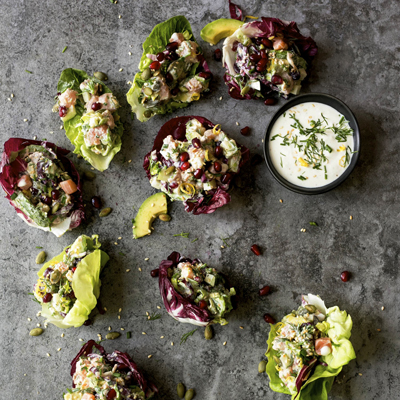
[85, 284]
[71, 78]
[321, 379]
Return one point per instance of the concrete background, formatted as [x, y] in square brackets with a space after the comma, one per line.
[358, 62]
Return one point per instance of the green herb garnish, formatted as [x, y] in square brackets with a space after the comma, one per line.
[195, 240]
[186, 335]
[301, 178]
[128, 335]
[39, 247]
[225, 242]
[183, 234]
[153, 317]
[65, 49]
[122, 254]
[313, 223]
[29, 72]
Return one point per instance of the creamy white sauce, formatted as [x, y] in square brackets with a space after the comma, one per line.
[291, 163]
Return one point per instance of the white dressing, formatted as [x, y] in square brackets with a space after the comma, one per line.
[311, 145]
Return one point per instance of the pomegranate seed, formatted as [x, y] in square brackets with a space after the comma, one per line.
[62, 111]
[196, 143]
[154, 273]
[47, 298]
[226, 178]
[261, 65]
[58, 93]
[172, 56]
[217, 55]
[160, 56]
[112, 394]
[266, 43]
[55, 194]
[173, 185]
[255, 57]
[203, 304]
[155, 65]
[235, 45]
[205, 75]
[219, 152]
[264, 291]
[263, 54]
[270, 101]
[96, 202]
[172, 46]
[269, 318]
[185, 166]
[174, 91]
[46, 200]
[245, 131]
[345, 276]
[256, 250]
[217, 166]
[96, 106]
[198, 173]
[295, 75]
[73, 269]
[87, 322]
[276, 80]
[184, 156]
[169, 78]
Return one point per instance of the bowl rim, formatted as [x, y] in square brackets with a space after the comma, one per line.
[340, 106]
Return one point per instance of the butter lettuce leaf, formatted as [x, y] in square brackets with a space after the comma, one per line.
[85, 284]
[72, 78]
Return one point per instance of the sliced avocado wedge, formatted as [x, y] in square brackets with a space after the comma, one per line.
[70, 114]
[219, 29]
[150, 209]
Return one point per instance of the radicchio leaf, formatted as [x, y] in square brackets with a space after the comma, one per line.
[177, 128]
[180, 308]
[12, 165]
[235, 11]
[304, 374]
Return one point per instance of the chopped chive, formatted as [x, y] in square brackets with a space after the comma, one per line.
[195, 240]
[183, 234]
[281, 163]
[313, 223]
[326, 174]
[128, 335]
[65, 48]
[29, 72]
[225, 242]
[122, 254]
[39, 247]
[301, 178]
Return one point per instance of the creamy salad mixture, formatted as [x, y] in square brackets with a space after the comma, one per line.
[189, 169]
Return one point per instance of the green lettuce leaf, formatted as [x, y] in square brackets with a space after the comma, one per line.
[71, 78]
[156, 42]
[85, 284]
[320, 381]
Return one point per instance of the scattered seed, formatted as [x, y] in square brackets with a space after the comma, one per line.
[38, 325]
[161, 337]
[164, 217]
[116, 243]
[261, 367]
[208, 333]
[120, 238]
[220, 98]
[61, 127]
[224, 344]
[172, 343]
[121, 69]
[128, 335]
[181, 390]
[25, 120]
[360, 374]
[129, 161]
[119, 16]
[351, 217]
[189, 394]
[36, 332]
[149, 356]
[147, 313]
[144, 333]
[280, 201]
[222, 247]
[62, 335]
[130, 53]
[241, 327]
[113, 335]
[48, 354]
[9, 99]
[146, 259]
[127, 270]
[382, 308]
[122, 329]
[105, 211]
[119, 317]
[159, 307]
[237, 123]
[12, 94]
[105, 309]
[59, 349]
[120, 310]
[109, 328]
[29, 319]
[140, 269]
[81, 340]
[378, 330]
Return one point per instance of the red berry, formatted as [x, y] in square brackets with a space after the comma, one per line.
[276, 80]
[96, 106]
[217, 166]
[185, 166]
[217, 55]
[256, 250]
[196, 143]
[184, 157]
[219, 152]
[172, 46]
[198, 173]
[245, 131]
[154, 273]
[205, 75]
[270, 101]
[203, 304]
[227, 178]
[345, 276]
[155, 65]
[47, 298]
[62, 111]
[112, 394]
[264, 291]
[262, 64]
[160, 56]
[266, 43]
[269, 318]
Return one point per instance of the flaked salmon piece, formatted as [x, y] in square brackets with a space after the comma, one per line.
[320, 345]
[68, 98]
[107, 100]
[94, 135]
[280, 44]
[110, 121]
[193, 85]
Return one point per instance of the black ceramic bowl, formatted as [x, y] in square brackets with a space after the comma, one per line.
[339, 106]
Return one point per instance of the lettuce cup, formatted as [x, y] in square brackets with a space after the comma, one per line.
[69, 284]
[173, 71]
[88, 110]
[194, 161]
[193, 292]
[308, 349]
[97, 374]
[42, 184]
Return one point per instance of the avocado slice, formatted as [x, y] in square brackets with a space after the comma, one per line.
[219, 29]
[70, 114]
[150, 209]
[35, 214]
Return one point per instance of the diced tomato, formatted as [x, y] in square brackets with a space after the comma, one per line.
[24, 182]
[321, 343]
[69, 186]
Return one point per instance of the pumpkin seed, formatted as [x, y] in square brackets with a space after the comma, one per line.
[101, 76]
[189, 394]
[147, 91]
[208, 332]
[277, 360]
[245, 90]
[113, 335]
[165, 217]
[55, 276]
[261, 367]
[41, 258]
[105, 211]
[89, 175]
[45, 208]
[55, 208]
[181, 390]
[147, 113]
[146, 74]
[310, 308]
[169, 170]
[36, 332]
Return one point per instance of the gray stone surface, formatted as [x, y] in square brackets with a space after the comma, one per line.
[358, 62]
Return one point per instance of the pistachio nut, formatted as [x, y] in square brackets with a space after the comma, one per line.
[165, 217]
[55, 276]
[89, 175]
[189, 394]
[101, 76]
[208, 332]
[146, 74]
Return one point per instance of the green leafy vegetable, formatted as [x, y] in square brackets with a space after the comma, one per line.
[187, 335]
[65, 49]
[153, 317]
[183, 234]
[313, 223]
